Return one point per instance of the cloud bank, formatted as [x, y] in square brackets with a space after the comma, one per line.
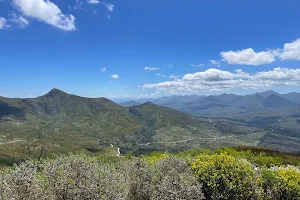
[220, 80]
[290, 51]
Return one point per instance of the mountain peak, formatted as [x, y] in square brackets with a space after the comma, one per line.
[271, 92]
[55, 92]
[268, 93]
[275, 101]
[148, 103]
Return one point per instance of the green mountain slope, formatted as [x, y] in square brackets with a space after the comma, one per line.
[96, 117]
[129, 103]
[60, 123]
[174, 130]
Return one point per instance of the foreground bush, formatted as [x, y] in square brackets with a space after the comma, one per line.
[169, 178]
[77, 177]
[177, 181]
[65, 177]
[83, 177]
[21, 183]
[225, 177]
[281, 183]
[159, 176]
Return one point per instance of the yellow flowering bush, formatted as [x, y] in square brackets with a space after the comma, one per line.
[214, 175]
[155, 157]
[224, 177]
[281, 182]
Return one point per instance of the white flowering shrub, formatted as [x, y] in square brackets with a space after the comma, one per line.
[82, 177]
[139, 176]
[65, 177]
[156, 177]
[169, 178]
[21, 183]
[176, 180]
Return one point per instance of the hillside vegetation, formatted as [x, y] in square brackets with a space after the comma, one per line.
[58, 122]
[267, 108]
[199, 174]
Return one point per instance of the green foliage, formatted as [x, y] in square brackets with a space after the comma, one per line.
[225, 177]
[61, 123]
[155, 157]
[263, 160]
[168, 178]
[193, 153]
[21, 183]
[176, 180]
[281, 182]
[258, 159]
[86, 177]
[274, 157]
[221, 174]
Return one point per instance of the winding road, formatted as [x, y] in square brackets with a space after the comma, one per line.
[118, 152]
[149, 143]
[174, 142]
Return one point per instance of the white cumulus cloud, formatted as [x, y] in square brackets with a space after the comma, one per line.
[115, 76]
[290, 51]
[93, 1]
[248, 57]
[220, 80]
[47, 12]
[3, 23]
[209, 75]
[151, 68]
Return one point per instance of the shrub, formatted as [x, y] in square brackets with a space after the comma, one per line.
[257, 159]
[155, 157]
[224, 177]
[193, 153]
[169, 178]
[21, 182]
[159, 176]
[281, 182]
[176, 180]
[82, 177]
[268, 161]
[139, 176]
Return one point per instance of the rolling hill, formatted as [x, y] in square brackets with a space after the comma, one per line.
[130, 103]
[58, 122]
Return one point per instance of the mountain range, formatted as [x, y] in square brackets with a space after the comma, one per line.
[58, 122]
[244, 108]
[259, 101]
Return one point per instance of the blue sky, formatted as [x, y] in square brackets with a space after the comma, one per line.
[137, 48]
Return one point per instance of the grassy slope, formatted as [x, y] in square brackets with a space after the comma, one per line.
[174, 130]
[67, 123]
